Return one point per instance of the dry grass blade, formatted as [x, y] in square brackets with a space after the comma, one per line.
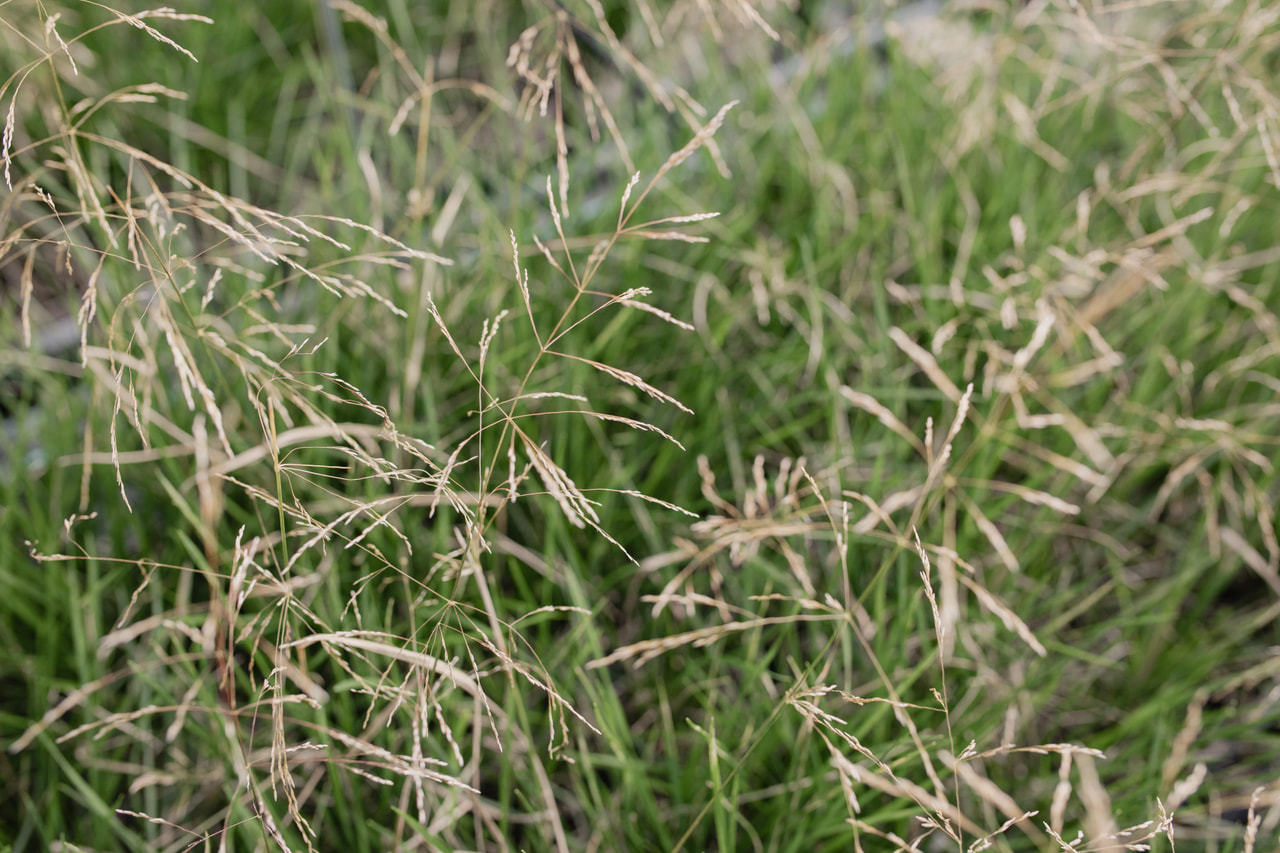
[1100, 824]
[1236, 542]
[647, 651]
[882, 511]
[992, 794]
[991, 532]
[595, 101]
[26, 287]
[926, 362]
[1032, 496]
[656, 89]
[1006, 615]
[872, 406]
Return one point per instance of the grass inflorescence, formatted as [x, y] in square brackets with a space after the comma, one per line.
[633, 426]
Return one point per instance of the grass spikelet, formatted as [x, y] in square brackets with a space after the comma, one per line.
[701, 138]
[136, 20]
[657, 312]
[573, 503]
[627, 378]
[6, 142]
[51, 28]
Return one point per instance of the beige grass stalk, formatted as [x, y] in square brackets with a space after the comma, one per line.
[578, 509]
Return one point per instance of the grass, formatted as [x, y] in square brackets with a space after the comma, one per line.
[387, 468]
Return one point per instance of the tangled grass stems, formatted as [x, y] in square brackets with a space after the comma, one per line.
[352, 607]
[172, 370]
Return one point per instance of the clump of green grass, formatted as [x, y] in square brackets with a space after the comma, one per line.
[198, 367]
[377, 526]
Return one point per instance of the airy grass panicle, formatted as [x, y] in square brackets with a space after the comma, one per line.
[337, 536]
[196, 357]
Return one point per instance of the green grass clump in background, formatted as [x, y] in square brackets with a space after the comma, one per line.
[386, 467]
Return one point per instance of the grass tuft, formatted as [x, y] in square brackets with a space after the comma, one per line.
[883, 459]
